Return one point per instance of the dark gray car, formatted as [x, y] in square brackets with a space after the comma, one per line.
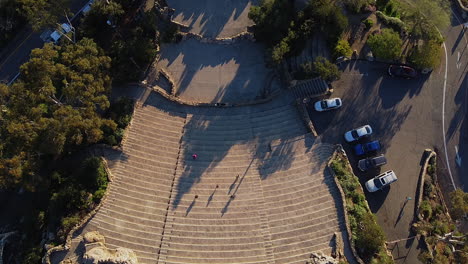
[370, 163]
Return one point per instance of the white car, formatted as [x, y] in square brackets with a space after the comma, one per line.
[358, 133]
[327, 104]
[381, 181]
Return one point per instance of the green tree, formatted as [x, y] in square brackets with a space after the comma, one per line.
[459, 201]
[44, 13]
[53, 108]
[323, 68]
[369, 236]
[94, 24]
[272, 19]
[332, 20]
[342, 48]
[427, 55]
[386, 45]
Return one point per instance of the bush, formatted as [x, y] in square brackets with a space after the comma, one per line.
[97, 196]
[427, 56]
[392, 22]
[332, 20]
[425, 210]
[93, 174]
[322, 68]
[459, 202]
[67, 224]
[368, 22]
[386, 45]
[356, 6]
[370, 237]
[428, 187]
[342, 48]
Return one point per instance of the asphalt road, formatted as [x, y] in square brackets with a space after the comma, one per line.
[455, 120]
[405, 117]
[18, 50]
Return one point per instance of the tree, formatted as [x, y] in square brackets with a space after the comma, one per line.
[386, 45]
[53, 108]
[369, 236]
[95, 25]
[342, 48]
[323, 68]
[427, 56]
[459, 201]
[272, 19]
[44, 13]
[332, 20]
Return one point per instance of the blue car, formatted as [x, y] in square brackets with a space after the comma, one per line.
[365, 148]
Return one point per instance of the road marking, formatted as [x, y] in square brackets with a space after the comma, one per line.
[443, 116]
[458, 60]
[11, 54]
[14, 79]
[458, 159]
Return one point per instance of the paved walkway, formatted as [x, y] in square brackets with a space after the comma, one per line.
[216, 73]
[213, 18]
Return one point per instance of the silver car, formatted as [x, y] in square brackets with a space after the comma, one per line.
[381, 181]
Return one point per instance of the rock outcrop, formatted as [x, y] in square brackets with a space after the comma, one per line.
[96, 251]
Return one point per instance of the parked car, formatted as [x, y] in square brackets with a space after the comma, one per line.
[371, 163]
[402, 71]
[54, 36]
[358, 133]
[327, 104]
[365, 148]
[381, 181]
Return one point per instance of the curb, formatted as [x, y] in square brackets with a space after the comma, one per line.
[340, 150]
[175, 99]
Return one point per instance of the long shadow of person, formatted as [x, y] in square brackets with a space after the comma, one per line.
[233, 184]
[224, 210]
[211, 196]
[191, 205]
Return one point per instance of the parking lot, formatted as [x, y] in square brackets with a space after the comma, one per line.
[401, 113]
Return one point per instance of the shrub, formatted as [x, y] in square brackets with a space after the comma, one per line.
[370, 237]
[323, 68]
[427, 56]
[69, 222]
[93, 174]
[368, 22]
[339, 167]
[342, 48]
[440, 227]
[332, 20]
[425, 209]
[356, 6]
[428, 187]
[97, 196]
[425, 257]
[392, 22]
[386, 45]
[459, 202]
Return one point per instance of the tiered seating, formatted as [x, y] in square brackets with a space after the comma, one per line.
[215, 227]
[133, 215]
[257, 193]
[300, 205]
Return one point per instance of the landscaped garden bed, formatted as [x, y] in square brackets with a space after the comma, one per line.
[444, 243]
[367, 237]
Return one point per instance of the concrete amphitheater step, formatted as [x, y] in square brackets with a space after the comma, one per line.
[205, 260]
